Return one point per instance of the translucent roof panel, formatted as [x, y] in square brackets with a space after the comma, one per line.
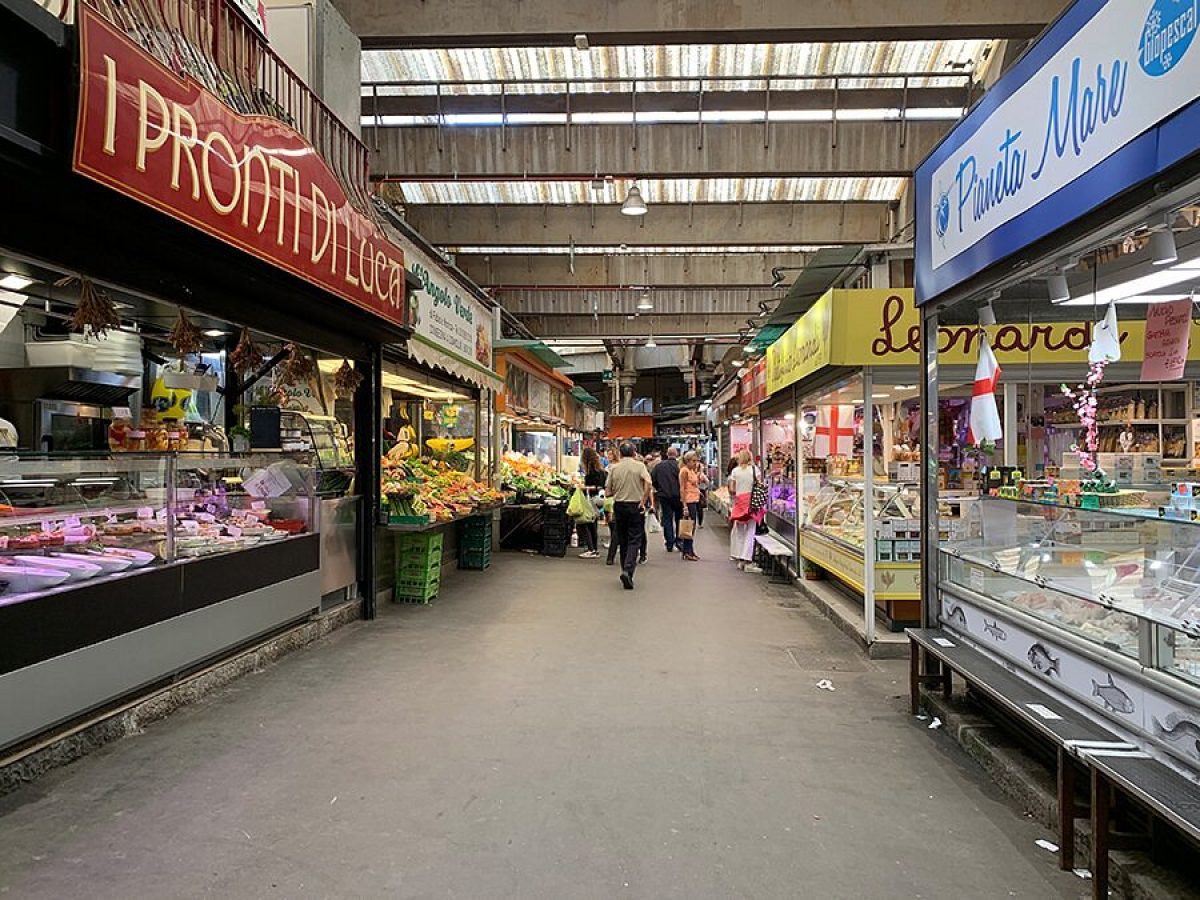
[736, 66]
[656, 190]
[631, 249]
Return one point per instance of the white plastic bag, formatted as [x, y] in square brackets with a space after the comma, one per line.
[653, 526]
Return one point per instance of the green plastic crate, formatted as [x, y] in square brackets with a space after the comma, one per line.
[421, 541]
[474, 559]
[416, 593]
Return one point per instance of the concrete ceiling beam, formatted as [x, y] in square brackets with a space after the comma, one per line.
[797, 149]
[748, 269]
[665, 225]
[716, 326]
[741, 303]
[470, 23]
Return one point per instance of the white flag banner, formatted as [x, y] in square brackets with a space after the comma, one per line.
[1106, 338]
[985, 416]
[835, 431]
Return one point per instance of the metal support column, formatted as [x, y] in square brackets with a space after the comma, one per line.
[1010, 423]
[868, 507]
[929, 468]
[367, 426]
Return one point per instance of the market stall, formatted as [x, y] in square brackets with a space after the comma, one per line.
[536, 403]
[183, 397]
[1079, 571]
[437, 397]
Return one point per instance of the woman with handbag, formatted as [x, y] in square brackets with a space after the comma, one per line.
[743, 520]
[689, 495]
[593, 490]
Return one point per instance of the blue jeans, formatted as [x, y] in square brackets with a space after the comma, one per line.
[670, 512]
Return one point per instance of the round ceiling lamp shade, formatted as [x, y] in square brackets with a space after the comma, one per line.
[634, 205]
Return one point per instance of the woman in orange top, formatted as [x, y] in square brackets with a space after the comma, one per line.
[689, 494]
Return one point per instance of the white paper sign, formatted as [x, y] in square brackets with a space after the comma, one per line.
[1129, 67]
[1044, 711]
[943, 642]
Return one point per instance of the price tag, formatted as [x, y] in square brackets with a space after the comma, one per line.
[122, 412]
[161, 515]
[1044, 711]
[977, 579]
[943, 642]
[205, 517]
[233, 531]
[71, 522]
[47, 525]
[258, 504]
[145, 512]
[191, 526]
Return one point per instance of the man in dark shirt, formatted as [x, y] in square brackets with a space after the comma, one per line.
[666, 488]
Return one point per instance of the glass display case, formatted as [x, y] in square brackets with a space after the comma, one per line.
[1097, 574]
[836, 509]
[67, 522]
[779, 471]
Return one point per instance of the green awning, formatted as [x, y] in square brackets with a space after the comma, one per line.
[583, 396]
[766, 336]
[537, 348]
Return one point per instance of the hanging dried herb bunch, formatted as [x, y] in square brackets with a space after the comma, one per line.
[96, 312]
[346, 380]
[185, 337]
[298, 368]
[246, 357]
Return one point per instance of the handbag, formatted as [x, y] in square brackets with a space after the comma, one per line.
[758, 497]
[761, 528]
[687, 528]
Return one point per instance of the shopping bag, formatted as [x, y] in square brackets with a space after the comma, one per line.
[741, 508]
[758, 496]
[687, 528]
[580, 508]
[653, 526]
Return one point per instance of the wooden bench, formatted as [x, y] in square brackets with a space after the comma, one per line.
[775, 551]
[1080, 742]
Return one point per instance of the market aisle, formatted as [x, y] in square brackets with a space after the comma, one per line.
[541, 733]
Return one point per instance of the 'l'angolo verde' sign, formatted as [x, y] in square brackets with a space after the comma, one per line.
[1061, 123]
[447, 316]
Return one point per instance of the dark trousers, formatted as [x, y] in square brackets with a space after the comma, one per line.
[689, 546]
[589, 534]
[670, 511]
[700, 509]
[631, 533]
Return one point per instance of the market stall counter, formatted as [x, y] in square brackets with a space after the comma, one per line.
[119, 571]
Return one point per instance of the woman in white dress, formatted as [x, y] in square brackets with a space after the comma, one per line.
[741, 531]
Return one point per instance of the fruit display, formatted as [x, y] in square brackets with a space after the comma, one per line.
[532, 478]
[424, 488]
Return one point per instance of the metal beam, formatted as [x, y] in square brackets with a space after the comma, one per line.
[668, 224]
[553, 23]
[649, 101]
[663, 150]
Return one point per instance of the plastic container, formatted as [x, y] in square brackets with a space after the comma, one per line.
[70, 352]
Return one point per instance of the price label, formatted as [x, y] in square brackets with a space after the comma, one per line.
[71, 522]
[191, 526]
[47, 525]
[258, 504]
[122, 412]
[145, 512]
[205, 517]
[233, 531]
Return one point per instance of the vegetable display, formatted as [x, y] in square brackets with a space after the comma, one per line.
[429, 488]
[533, 478]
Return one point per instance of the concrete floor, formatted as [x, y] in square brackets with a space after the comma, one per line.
[540, 732]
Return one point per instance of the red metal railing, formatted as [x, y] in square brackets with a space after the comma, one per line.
[209, 41]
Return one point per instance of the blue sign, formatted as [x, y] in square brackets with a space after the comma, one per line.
[1084, 115]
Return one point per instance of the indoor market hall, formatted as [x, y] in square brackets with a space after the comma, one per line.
[638, 450]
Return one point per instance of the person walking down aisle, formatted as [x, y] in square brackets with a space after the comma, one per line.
[689, 493]
[629, 487]
[742, 522]
[594, 479]
[665, 478]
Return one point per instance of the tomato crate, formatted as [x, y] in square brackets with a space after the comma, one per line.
[474, 559]
[416, 591]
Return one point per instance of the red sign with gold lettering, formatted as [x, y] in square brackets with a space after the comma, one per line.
[250, 181]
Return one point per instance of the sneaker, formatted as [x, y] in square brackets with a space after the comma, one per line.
[607, 544]
[627, 580]
[752, 569]
[589, 554]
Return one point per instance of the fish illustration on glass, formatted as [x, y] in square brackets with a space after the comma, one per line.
[1174, 727]
[1113, 698]
[1042, 661]
[994, 629]
[954, 613]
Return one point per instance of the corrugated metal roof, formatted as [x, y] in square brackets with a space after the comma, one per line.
[655, 190]
[738, 61]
